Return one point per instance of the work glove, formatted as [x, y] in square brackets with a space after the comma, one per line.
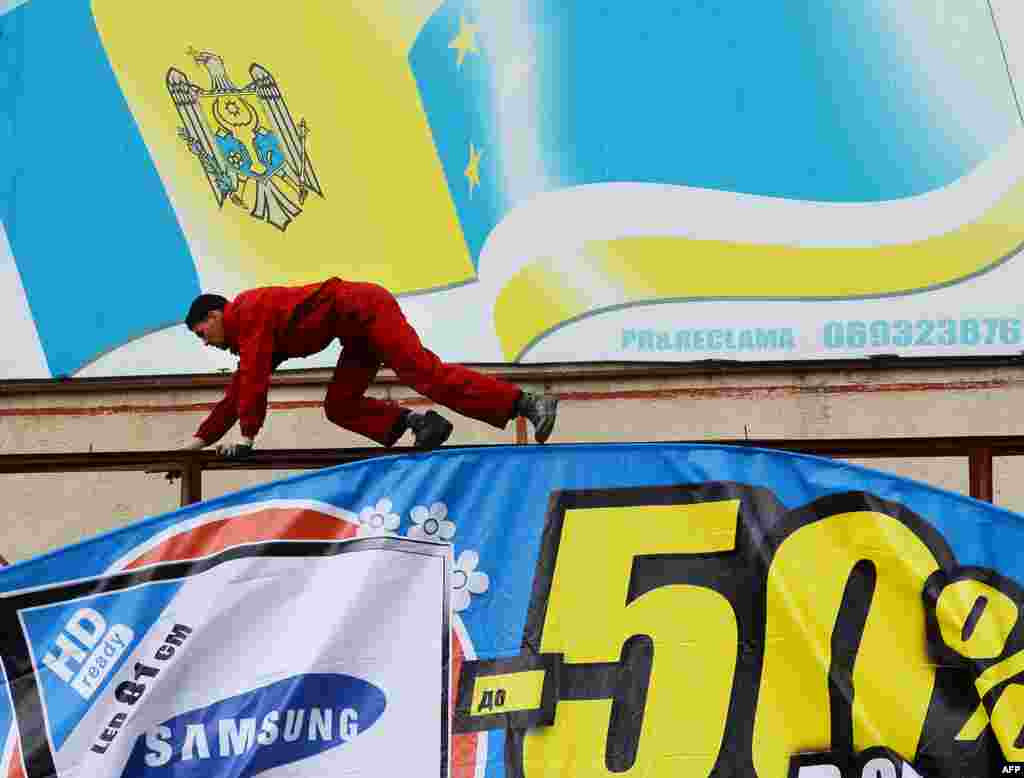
[236, 450]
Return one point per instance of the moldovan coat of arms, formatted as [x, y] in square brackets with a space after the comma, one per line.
[245, 138]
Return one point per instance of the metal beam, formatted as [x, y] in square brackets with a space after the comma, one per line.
[191, 483]
[982, 484]
[190, 465]
[298, 459]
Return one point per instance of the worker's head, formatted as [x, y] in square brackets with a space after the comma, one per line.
[206, 319]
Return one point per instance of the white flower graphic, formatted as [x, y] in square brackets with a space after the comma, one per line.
[431, 523]
[467, 580]
[377, 519]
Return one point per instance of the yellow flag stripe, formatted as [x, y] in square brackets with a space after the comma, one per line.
[386, 215]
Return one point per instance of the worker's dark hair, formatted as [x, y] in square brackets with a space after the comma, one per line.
[202, 306]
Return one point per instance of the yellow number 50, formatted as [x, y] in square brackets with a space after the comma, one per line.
[650, 594]
[676, 642]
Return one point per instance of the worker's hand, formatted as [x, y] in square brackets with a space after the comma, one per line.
[192, 444]
[236, 450]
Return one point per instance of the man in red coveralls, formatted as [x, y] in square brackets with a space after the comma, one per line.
[266, 326]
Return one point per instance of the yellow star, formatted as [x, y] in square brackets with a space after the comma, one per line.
[473, 168]
[465, 39]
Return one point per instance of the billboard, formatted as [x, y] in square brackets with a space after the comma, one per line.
[643, 609]
[539, 182]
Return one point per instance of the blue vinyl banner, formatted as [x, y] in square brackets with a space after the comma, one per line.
[524, 611]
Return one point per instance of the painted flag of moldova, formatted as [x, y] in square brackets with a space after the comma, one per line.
[150, 150]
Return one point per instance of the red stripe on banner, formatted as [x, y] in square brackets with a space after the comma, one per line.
[14, 770]
[263, 525]
[464, 746]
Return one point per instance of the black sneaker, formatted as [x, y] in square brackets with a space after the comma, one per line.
[431, 429]
[541, 410]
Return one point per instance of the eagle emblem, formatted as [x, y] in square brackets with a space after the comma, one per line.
[245, 139]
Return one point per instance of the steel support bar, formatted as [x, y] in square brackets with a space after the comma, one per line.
[190, 465]
[981, 481]
[191, 483]
[298, 459]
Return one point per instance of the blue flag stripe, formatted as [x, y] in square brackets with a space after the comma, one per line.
[101, 254]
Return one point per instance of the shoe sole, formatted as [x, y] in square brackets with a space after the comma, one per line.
[439, 434]
[547, 425]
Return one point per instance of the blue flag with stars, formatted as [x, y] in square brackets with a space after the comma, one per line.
[785, 99]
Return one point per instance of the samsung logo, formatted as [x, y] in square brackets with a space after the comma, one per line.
[268, 727]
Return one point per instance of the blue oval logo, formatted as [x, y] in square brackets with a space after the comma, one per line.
[268, 727]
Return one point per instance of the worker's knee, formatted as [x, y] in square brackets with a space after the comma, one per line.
[336, 409]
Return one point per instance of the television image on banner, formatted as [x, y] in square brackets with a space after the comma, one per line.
[281, 657]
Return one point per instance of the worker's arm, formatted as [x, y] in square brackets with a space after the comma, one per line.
[256, 361]
[221, 418]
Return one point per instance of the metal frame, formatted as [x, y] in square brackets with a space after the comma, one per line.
[189, 466]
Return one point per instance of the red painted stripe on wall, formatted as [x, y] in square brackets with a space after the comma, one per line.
[109, 410]
[709, 392]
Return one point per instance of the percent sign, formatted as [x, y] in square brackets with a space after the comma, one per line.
[973, 620]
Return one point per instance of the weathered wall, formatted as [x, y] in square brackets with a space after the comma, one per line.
[41, 512]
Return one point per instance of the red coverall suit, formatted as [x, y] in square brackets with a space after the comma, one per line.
[269, 325]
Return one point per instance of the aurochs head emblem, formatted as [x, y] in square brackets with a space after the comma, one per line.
[242, 135]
